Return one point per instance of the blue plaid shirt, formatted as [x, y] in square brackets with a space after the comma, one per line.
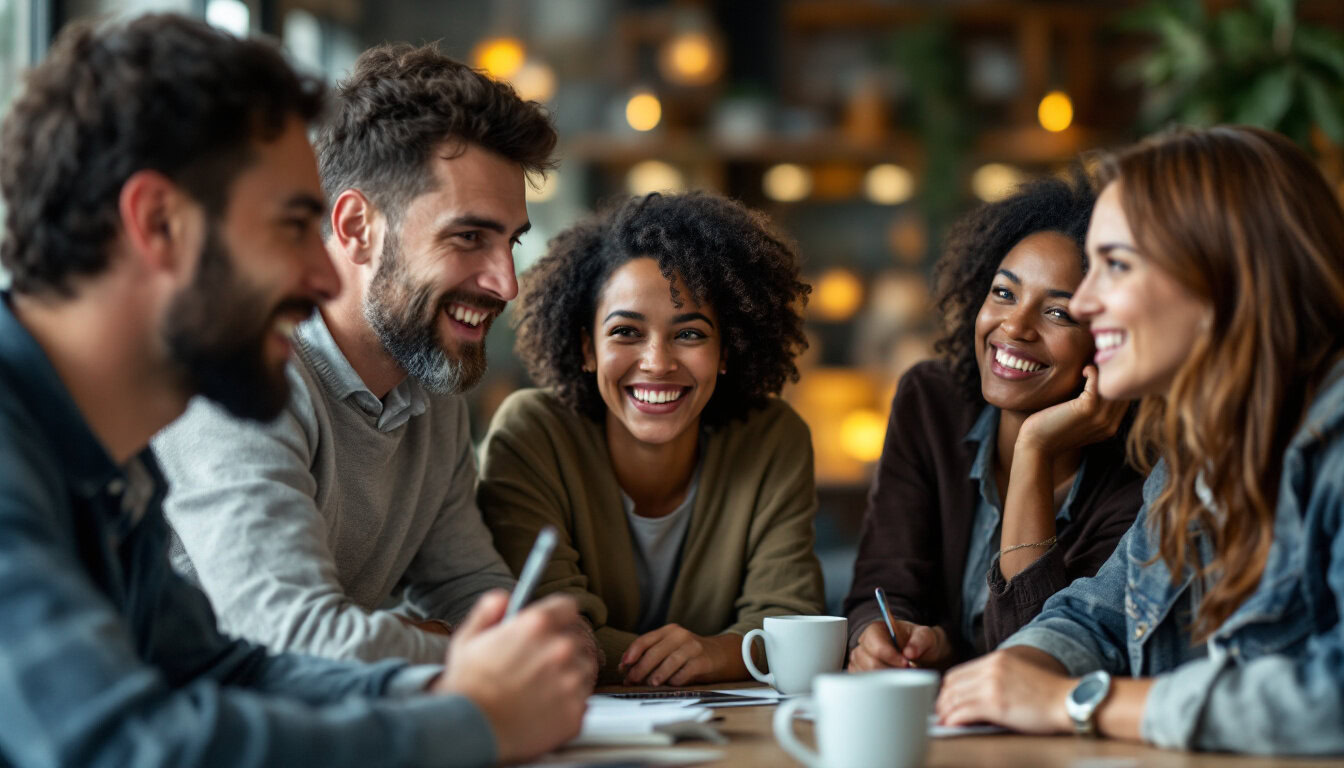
[107, 658]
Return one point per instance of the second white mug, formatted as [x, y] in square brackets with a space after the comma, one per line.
[797, 648]
[865, 720]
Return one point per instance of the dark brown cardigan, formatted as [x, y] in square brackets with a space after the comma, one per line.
[917, 528]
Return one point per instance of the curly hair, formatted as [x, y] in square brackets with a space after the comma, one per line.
[728, 256]
[162, 92]
[976, 246]
[400, 103]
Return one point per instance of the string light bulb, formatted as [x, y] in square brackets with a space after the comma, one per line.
[888, 184]
[500, 57]
[787, 183]
[837, 295]
[643, 111]
[1055, 111]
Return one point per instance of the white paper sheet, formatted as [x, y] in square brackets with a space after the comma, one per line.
[632, 722]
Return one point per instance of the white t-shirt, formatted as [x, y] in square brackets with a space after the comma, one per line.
[658, 542]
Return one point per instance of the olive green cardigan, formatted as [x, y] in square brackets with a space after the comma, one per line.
[749, 548]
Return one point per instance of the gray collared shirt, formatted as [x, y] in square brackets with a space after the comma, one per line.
[988, 523]
[407, 399]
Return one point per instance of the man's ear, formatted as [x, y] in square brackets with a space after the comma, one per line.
[355, 226]
[160, 221]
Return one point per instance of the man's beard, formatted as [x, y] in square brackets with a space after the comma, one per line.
[405, 317]
[216, 332]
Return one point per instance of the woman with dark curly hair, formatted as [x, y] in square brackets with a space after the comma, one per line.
[661, 329]
[1002, 478]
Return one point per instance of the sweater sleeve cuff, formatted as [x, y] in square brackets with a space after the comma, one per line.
[859, 619]
[412, 680]
[1077, 658]
[1035, 583]
[1172, 709]
[451, 730]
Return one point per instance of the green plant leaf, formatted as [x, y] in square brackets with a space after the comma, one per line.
[1241, 37]
[1200, 112]
[1150, 70]
[1160, 106]
[1325, 105]
[1268, 97]
[1321, 46]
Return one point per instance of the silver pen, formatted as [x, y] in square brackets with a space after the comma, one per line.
[886, 616]
[531, 573]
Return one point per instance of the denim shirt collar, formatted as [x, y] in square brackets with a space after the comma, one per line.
[985, 433]
[1153, 586]
[44, 396]
[319, 348]
[135, 487]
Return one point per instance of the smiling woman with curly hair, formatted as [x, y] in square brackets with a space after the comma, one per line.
[1002, 478]
[661, 330]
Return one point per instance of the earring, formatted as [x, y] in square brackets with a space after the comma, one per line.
[723, 370]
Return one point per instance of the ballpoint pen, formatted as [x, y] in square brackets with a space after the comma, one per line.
[886, 616]
[531, 574]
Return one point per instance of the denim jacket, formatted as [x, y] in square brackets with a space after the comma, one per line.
[108, 658]
[1270, 679]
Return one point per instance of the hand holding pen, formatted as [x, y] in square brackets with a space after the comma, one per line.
[897, 644]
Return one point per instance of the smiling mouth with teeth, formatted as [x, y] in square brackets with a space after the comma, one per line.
[656, 397]
[1108, 340]
[466, 315]
[1016, 363]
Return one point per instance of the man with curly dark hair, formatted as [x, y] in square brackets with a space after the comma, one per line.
[662, 328]
[163, 235]
[1003, 477]
[348, 528]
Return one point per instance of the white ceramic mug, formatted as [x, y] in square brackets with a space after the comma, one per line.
[878, 719]
[797, 648]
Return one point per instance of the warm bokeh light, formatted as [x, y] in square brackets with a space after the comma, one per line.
[500, 57]
[540, 189]
[837, 295]
[654, 176]
[992, 182]
[787, 183]
[862, 434]
[1055, 111]
[534, 81]
[825, 398]
[888, 184]
[690, 58]
[643, 111]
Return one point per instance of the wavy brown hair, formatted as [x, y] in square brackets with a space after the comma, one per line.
[1243, 219]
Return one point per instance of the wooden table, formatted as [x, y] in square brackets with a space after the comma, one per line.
[751, 744]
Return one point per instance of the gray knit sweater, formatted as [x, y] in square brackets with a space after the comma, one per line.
[309, 533]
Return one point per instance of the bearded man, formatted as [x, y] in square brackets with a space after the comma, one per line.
[164, 240]
[348, 528]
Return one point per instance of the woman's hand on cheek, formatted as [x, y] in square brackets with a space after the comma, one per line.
[1084, 420]
[1006, 689]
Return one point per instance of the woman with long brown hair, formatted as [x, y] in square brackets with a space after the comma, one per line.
[1215, 294]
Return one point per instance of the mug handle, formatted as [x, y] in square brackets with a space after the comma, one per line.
[783, 727]
[746, 658]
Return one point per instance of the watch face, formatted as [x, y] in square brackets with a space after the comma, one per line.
[1087, 690]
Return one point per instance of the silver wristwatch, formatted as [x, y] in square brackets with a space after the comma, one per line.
[1083, 700]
